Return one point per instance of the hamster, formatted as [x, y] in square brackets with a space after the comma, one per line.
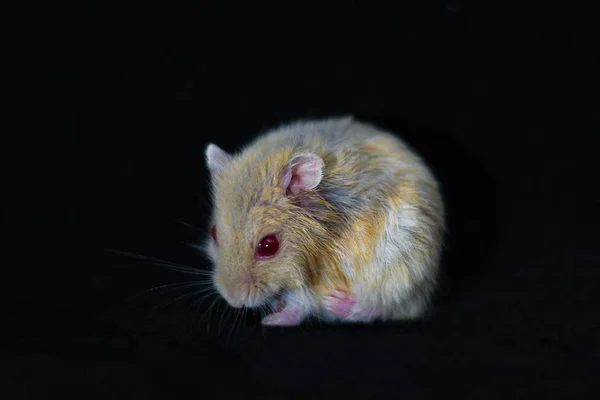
[329, 218]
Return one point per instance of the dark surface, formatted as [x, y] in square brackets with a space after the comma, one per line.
[500, 99]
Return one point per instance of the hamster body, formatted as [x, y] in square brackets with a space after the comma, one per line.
[334, 218]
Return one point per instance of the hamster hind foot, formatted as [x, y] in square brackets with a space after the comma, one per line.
[344, 305]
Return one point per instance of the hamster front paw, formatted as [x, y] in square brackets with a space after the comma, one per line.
[344, 304]
[288, 316]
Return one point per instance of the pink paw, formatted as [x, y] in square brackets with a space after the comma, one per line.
[344, 305]
[340, 303]
[288, 316]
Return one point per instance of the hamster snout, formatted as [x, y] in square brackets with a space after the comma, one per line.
[243, 290]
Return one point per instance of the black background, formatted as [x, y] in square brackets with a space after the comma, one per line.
[121, 99]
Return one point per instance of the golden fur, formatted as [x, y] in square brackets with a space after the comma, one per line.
[373, 226]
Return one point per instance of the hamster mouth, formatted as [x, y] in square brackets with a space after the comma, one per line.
[261, 298]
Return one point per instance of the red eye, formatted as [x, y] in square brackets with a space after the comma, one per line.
[213, 233]
[267, 247]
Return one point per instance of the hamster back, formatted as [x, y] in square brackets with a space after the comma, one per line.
[334, 218]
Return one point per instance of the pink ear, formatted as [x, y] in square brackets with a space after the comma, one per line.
[303, 172]
[216, 159]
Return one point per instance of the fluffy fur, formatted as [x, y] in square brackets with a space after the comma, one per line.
[358, 214]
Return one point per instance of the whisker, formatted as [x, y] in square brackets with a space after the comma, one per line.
[236, 318]
[162, 263]
[236, 314]
[180, 297]
[239, 318]
[263, 313]
[189, 225]
[174, 286]
[219, 312]
[197, 303]
[221, 320]
[207, 311]
[196, 246]
[183, 269]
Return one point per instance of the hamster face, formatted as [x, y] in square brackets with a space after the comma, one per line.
[255, 255]
[259, 232]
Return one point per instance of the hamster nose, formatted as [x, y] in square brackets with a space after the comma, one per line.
[231, 298]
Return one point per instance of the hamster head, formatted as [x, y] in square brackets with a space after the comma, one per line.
[265, 237]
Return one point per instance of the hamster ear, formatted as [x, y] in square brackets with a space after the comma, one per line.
[302, 172]
[216, 158]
